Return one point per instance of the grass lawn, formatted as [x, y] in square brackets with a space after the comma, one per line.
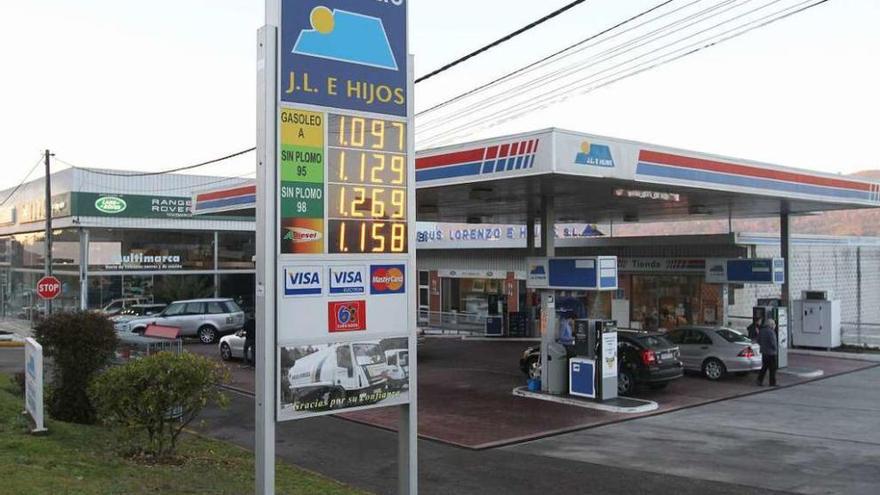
[82, 460]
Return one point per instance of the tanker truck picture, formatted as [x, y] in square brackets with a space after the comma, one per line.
[338, 376]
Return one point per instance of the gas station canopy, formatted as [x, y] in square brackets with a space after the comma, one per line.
[600, 180]
[594, 179]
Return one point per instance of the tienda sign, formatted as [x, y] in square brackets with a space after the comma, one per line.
[48, 288]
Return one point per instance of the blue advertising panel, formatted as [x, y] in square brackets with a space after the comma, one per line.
[346, 54]
[756, 271]
[598, 273]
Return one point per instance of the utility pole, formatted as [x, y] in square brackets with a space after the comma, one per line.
[48, 241]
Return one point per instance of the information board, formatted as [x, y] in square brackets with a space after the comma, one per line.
[345, 196]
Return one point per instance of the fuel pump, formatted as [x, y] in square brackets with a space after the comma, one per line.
[593, 371]
[773, 308]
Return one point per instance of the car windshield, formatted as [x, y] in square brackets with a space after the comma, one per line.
[654, 341]
[732, 336]
[368, 354]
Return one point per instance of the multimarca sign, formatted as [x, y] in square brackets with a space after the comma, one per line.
[346, 54]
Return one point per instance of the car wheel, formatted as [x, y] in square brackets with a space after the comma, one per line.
[625, 383]
[714, 369]
[139, 330]
[225, 352]
[207, 335]
[533, 367]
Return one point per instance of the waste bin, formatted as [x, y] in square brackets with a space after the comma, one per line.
[557, 368]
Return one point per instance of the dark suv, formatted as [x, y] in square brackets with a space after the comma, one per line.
[643, 358]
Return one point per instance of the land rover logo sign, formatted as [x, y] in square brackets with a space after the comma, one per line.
[110, 205]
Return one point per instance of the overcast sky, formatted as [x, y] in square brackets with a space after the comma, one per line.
[152, 85]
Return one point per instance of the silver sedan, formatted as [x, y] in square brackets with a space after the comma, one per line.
[716, 351]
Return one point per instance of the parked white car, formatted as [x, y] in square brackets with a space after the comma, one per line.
[232, 346]
[716, 351]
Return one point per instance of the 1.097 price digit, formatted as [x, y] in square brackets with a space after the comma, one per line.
[369, 134]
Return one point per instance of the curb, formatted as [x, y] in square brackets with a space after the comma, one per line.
[852, 356]
[646, 406]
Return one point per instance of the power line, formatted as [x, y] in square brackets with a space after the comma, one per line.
[559, 94]
[501, 40]
[654, 63]
[163, 172]
[541, 61]
[23, 181]
[604, 56]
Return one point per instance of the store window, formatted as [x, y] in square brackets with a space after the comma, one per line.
[241, 288]
[424, 297]
[150, 250]
[674, 300]
[470, 295]
[237, 251]
[28, 250]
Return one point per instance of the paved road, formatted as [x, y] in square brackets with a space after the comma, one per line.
[821, 437]
[364, 457]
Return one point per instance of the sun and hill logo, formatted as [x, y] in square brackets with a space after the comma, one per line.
[346, 36]
[595, 155]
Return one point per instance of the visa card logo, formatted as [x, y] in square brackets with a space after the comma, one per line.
[303, 281]
[348, 280]
[595, 155]
[387, 279]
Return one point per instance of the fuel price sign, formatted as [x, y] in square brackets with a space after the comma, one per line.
[368, 185]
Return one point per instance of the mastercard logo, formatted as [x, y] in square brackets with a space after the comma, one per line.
[387, 279]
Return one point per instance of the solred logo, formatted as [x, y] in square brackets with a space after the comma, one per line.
[348, 316]
[387, 279]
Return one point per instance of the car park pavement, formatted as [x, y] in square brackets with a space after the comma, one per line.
[466, 399]
[818, 437]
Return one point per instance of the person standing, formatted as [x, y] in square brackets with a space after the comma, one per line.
[250, 341]
[769, 350]
[753, 328]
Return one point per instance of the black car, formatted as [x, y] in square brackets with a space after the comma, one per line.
[643, 358]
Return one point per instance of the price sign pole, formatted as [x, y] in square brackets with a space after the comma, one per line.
[335, 207]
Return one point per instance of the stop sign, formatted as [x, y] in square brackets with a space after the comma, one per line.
[48, 288]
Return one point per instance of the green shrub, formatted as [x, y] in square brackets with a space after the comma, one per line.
[79, 345]
[153, 399]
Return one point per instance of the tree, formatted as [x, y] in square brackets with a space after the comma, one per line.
[154, 399]
[79, 344]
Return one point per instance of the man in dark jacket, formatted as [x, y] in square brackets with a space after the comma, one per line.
[250, 341]
[753, 328]
[769, 350]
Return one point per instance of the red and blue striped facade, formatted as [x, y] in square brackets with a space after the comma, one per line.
[486, 160]
[226, 199]
[669, 166]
